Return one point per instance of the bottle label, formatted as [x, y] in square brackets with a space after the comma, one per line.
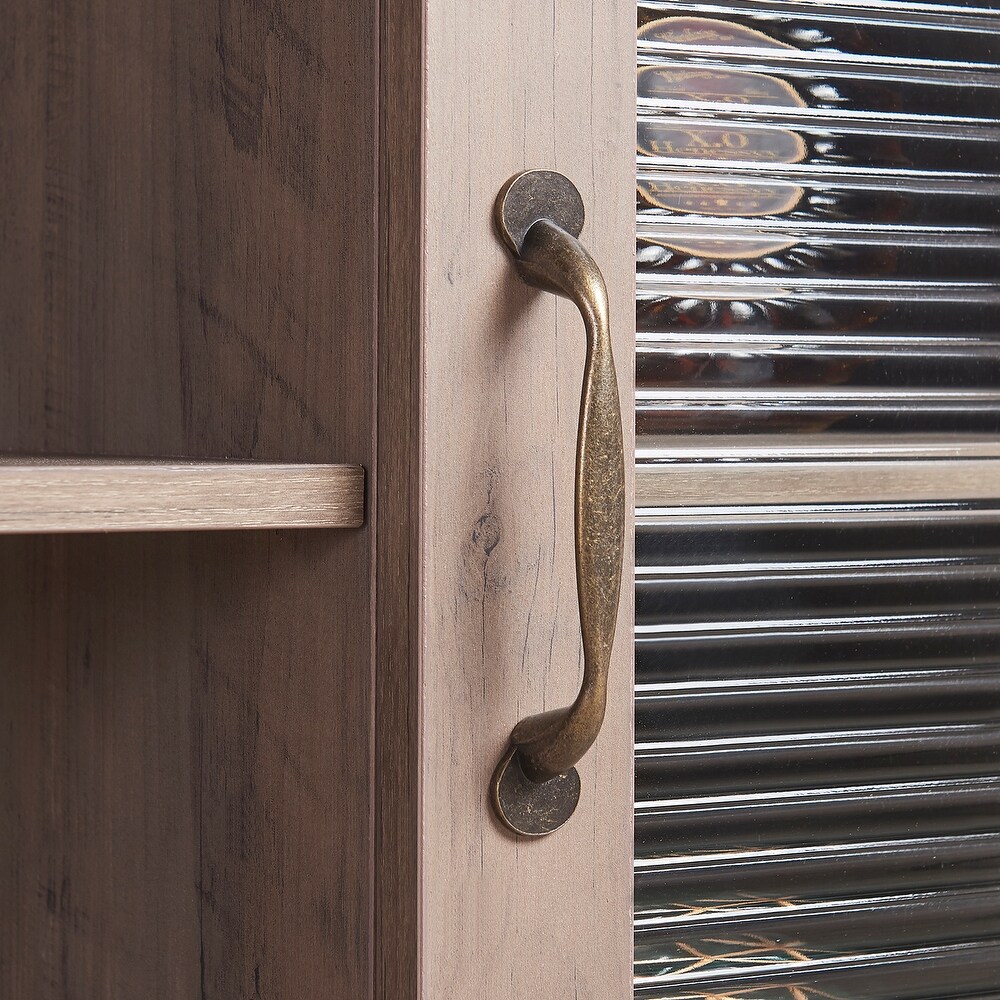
[707, 31]
[717, 195]
[720, 142]
[717, 86]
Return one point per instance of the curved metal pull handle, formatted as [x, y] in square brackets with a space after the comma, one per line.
[535, 787]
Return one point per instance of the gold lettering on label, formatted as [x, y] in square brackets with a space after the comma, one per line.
[725, 197]
[719, 86]
[720, 142]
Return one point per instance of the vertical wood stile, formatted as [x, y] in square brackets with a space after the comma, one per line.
[509, 87]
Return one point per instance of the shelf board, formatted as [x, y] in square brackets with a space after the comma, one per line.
[40, 495]
[740, 481]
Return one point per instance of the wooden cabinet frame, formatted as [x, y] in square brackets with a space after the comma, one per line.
[257, 763]
[248, 280]
[479, 381]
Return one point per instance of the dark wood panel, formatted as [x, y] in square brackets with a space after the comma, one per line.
[188, 269]
[398, 668]
[101, 860]
[184, 736]
[186, 228]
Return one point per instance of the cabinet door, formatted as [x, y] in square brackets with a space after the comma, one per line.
[260, 764]
[817, 753]
[507, 88]
[816, 481]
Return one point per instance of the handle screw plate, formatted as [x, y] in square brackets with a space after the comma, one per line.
[531, 808]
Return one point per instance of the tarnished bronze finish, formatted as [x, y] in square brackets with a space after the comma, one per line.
[535, 195]
[532, 212]
[533, 808]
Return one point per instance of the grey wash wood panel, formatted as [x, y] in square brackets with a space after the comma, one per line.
[510, 87]
[59, 496]
[682, 484]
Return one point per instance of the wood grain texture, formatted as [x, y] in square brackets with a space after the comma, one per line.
[397, 505]
[52, 496]
[653, 449]
[181, 815]
[187, 230]
[685, 484]
[509, 87]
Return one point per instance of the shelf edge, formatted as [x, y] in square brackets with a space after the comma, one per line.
[40, 495]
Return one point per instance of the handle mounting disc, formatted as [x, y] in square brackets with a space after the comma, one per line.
[533, 808]
[531, 196]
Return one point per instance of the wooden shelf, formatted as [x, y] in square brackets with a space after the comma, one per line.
[63, 495]
[738, 483]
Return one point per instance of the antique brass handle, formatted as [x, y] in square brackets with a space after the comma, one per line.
[536, 787]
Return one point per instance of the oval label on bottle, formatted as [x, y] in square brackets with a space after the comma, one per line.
[727, 196]
[720, 142]
[717, 86]
[723, 196]
[707, 31]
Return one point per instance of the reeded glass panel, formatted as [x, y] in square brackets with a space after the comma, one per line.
[818, 685]
[818, 217]
[818, 753]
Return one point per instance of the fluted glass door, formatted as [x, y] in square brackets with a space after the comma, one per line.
[818, 525]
